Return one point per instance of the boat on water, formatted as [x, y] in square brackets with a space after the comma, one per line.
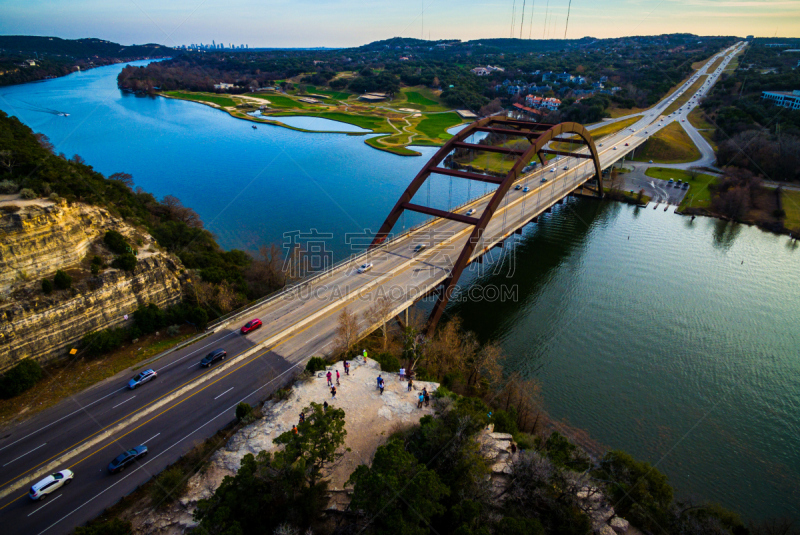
[62, 114]
[255, 127]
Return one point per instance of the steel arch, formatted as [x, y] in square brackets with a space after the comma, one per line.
[539, 135]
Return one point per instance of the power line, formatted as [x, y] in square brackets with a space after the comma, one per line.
[567, 25]
[522, 20]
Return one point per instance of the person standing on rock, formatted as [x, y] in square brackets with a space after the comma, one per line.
[402, 373]
[426, 396]
[410, 385]
[294, 429]
[381, 385]
[421, 399]
[333, 392]
[378, 385]
[328, 375]
[337, 377]
[324, 406]
[302, 416]
[346, 368]
[365, 356]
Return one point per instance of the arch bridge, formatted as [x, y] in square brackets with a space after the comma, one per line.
[537, 143]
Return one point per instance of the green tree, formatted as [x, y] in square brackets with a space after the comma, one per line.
[126, 262]
[62, 280]
[639, 491]
[47, 286]
[114, 526]
[398, 493]
[116, 242]
[315, 444]
[20, 378]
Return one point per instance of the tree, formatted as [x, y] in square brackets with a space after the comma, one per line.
[493, 107]
[397, 493]
[379, 313]
[62, 281]
[47, 286]
[125, 262]
[115, 526]
[116, 242]
[125, 178]
[317, 441]
[346, 332]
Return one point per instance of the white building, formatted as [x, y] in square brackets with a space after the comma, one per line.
[783, 98]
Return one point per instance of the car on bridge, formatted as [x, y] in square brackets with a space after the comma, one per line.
[419, 248]
[517, 187]
[211, 358]
[141, 378]
[251, 325]
[525, 189]
[544, 179]
[123, 460]
[50, 484]
[471, 211]
[363, 268]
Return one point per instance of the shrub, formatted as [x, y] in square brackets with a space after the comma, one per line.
[244, 412]
[173, 330]
[168, 487]
[504, 422]
[388, 362]
[115, 526]
[125, 262]
[8, 186]
[148, 318]
[62, 280]
[20, 378]
[316, 364]
[116, 242]
[27, 193]
[95, 269]
[100, 342]
[55, 197]
[198, 317]
[47, 286]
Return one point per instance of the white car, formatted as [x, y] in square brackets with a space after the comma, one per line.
[363, 268]
[525, 189]
[50, 484]
[553, 170]
[419, 248]
[471, 211]
[566, 167]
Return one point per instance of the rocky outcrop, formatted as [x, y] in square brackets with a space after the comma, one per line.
[44, 237]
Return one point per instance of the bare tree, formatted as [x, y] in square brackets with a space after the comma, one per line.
[346, 331]
[176, 211]
[125, 178]
[266, 272]
[379, 313]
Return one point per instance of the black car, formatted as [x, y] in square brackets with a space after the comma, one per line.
[211, 358]
[124, 459]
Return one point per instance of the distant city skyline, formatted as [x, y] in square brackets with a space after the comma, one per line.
[336, 23]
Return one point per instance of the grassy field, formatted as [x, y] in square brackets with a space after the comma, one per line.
[706, 129]
[423, 99]
[278, 101]
[715, 64]
[684, 98]
[699, 194]
[435, 126]
[376, 124]
[417, 98]
[670, 145]
[622, 112]
[402, 151]
[203, 97]
[791, 204]
[338, 95]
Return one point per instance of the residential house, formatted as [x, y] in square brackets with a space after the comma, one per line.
[223, 86]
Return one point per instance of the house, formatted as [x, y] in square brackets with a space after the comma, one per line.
[540, 88]
[580, 80]
[514, 89]
[484, 71]
[546, 77]
[223, 86]
[603, 79]
[564, 77]
[784, 99]
[29, 63]
[597, 85]
[551, 103]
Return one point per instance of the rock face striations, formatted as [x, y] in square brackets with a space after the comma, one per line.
[43, 237]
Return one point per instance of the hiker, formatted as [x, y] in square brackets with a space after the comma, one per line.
[333, 392]
[365, 356]
[380, 380]
[337, 377]
[410, 385]
[325, 406]
[346, 368]
[294, 429]
[513, 448]
[421, 399]
[426, 396]
[329, 375]
[382, 385]
[402, 373]
[302, 417]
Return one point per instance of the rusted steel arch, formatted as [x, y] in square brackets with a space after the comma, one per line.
[539, 135]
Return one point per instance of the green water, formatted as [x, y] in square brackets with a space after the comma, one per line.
[673, 339]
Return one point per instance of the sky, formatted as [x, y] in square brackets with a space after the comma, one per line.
[343, 23]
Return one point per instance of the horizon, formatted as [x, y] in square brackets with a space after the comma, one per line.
[338, 24]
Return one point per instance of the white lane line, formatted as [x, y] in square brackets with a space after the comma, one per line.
[196, 350]
[151, 438]
[228, 390]
[45, 505]
[193, 366]
[127, 400]
[141, 466]
[63, 417]
[24, 454]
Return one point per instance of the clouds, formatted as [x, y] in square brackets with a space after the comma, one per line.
[299, 23]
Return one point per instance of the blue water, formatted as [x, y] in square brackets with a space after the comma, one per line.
[664, 344]
[316, 124]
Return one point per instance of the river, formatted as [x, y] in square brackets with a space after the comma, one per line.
[673, 339]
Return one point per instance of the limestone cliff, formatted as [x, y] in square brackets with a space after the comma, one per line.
[44, 237]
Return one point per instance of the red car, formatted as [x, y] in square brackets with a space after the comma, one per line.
[251, 325]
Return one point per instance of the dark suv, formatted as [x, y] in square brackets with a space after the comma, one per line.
[211, 358]
[129, 457]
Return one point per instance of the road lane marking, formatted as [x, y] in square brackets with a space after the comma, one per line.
[24, 454]
[45, 505]
[195, 365]
[141, 466]
[228, 390]
[124, 402]
[151, 438]
[65, 416]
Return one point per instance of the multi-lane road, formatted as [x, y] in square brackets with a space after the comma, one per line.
[186, 404]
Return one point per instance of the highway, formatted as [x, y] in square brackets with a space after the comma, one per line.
[186, 404]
